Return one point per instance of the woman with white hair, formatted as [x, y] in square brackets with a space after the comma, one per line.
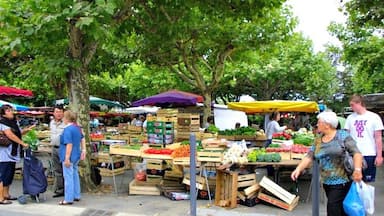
[328, 151]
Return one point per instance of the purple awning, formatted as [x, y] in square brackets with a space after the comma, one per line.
[172, 97]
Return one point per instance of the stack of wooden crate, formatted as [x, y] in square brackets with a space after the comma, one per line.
[187, 123]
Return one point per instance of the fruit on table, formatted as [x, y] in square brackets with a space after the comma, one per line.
[158, 151]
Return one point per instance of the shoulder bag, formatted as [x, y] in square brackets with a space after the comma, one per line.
[349, 166]
[4, 141]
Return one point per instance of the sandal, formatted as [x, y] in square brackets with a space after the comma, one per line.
[63, 202]
[10, 198]
[5, 202]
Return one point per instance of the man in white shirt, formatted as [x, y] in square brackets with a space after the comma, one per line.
[366, 128]
[56, 127]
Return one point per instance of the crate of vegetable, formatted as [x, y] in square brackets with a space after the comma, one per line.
[248, 133]
[299, 151]
[261, 155]
[284, 151]
[157, 153]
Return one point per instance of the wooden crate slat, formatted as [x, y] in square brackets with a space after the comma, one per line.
[249, 190]
[246, 180]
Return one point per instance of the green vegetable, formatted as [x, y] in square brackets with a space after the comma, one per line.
[303, 139]
[31, 139]
[212, 129]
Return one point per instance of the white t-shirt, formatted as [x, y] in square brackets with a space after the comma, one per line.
[362, 129]
[273, 127]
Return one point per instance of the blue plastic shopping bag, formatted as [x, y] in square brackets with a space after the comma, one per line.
[353, 205]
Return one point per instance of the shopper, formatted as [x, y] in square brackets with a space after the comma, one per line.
[70, 150]
[9, 155]
[366, 128]
[273, 127]
[328, 151]
[56, 127]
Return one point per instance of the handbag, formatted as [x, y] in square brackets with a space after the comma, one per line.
[4, 141]
[349, 166]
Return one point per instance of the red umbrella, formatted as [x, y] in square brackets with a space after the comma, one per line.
[14, 92]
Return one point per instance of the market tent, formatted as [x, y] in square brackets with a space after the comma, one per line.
[141, 109]
[276, 105]
[6, 91]
[95, 101]
[17, 107]
[173, 97]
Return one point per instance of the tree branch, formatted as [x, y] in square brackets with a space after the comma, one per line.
[124, 13]
[91, 50]
[182, 75]
[218, 71]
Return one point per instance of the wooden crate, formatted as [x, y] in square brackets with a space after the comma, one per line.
[124, 150]
[274, 201]
[155, 179]
[246, 180]
[108, 172]
[277, 190]
[156, 164]
[107, 158]
[210, 155]
[226, 189]
[201, 184]
[285, 155]
[143, 188]
[245, 137]
[227, 137]
[252, 191]
[297, 156]
[185, 161]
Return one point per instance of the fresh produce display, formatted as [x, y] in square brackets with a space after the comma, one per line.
[270, 157]
[301, 149]
[278, 149]
[158, 151]
[212, 129]
[182, 151]
[306, 139]
[261, 155]
[235, 154]
[239, 131]
[282, 136]
[254, 154]
[31, 139]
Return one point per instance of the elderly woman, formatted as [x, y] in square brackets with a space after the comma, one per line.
[9, 155]
[328, 151]
[71, 150]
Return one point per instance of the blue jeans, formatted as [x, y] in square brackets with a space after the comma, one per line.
[369, 174]
[71, 182]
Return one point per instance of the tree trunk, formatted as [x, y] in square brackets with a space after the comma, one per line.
[79, 96]
[207, 111]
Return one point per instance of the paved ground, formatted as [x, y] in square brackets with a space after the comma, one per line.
[111, 204]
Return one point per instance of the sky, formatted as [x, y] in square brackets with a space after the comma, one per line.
[314, 17]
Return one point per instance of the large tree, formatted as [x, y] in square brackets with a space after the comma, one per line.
[58, 40]
[288, 70]
[362, 40]
[195, 39]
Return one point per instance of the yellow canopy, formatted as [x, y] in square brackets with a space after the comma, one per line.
[276, 105]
